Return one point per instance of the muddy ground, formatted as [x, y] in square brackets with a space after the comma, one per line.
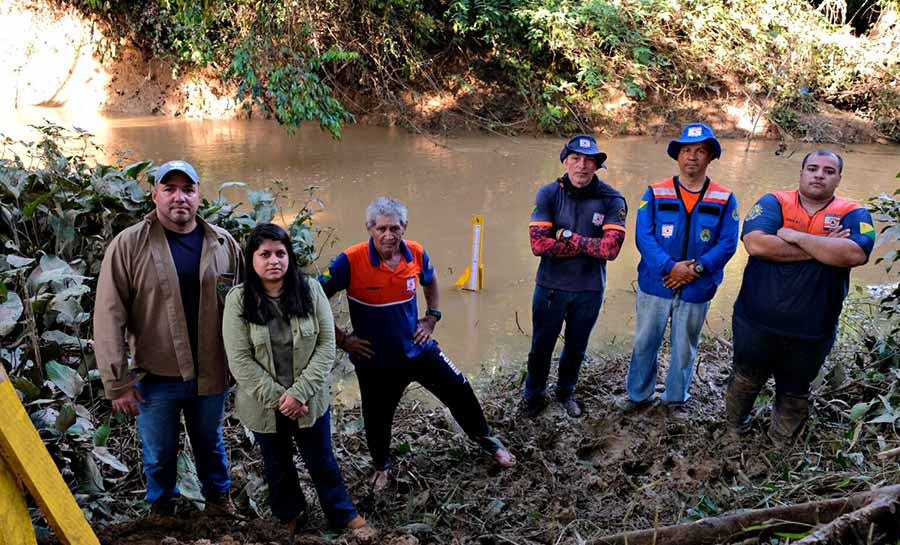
[576, 480]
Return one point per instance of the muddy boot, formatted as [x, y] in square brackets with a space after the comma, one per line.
[788, 416]
[739, 397]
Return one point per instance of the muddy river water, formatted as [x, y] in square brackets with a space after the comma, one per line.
[444, 181]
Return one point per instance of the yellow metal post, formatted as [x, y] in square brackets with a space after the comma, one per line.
[23, 451]
[473, 277]
[14, 518]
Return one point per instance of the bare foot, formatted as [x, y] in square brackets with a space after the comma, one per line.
[505, 458]
[380, 480]
[362, 530]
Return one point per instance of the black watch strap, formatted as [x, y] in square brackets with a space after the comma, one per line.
[436, 314]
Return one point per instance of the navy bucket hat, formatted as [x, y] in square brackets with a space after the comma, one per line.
[176, 166]
[693, 134]
[585, 145]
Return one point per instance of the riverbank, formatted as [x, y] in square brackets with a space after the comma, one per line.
[60, 57]
[576, 480]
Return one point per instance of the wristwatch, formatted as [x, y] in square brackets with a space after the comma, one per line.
[436, 314]
[563, 234]
[698, 267]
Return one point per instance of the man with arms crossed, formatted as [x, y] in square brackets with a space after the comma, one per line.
[802, 245]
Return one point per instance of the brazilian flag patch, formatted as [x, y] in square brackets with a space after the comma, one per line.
[642, 205]
[867, 229]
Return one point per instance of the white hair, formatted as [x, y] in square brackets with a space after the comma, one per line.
[385, 206]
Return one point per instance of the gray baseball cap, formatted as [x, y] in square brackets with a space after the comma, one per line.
[176, 166]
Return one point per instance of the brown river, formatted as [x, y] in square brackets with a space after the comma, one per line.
[444, 181]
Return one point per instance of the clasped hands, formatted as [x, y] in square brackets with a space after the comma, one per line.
[681, 275]
[291, 408]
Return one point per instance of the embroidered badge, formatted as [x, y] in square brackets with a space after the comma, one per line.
[735, 216]
[867, 230]
[705, 235]
[754, 213]
[584, 143]
[668, 230]
[641, 206]
[598, 218]
[622, 213]
[695, 131]
[832, 221]
[411, 284]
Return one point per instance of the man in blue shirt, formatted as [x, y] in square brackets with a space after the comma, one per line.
[578, 224]
[802, 245]
[686, 232]
[390, 346]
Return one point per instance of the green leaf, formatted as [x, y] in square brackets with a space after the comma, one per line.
[858, 412]
[134, 170]
[90, 481]
[28, 388]
[58, 337]
[101, 436]
[31, 208]
[10, 311]
[65, 418]
[187, 481]
[18, 262]
[65, 378]
[102, 455]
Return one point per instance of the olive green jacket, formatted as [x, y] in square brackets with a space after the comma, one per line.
[249, 350]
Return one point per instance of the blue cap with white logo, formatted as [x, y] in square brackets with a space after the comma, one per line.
[693, 134]
[176, 166]
[585, 145]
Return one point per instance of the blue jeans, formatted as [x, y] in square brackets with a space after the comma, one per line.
[285, 496]
[159, 426]
[549, 309]
[653, 315]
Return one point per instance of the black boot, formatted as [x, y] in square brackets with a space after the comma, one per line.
[739, 397]
[788, 416]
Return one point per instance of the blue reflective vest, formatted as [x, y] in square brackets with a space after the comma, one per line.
[666, 233]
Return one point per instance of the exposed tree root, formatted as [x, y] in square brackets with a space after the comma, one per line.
[839, 516]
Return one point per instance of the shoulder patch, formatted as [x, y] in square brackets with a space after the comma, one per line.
[734, 215]
[754, 213]
[642, 205]
[867, 229]
[622, 214]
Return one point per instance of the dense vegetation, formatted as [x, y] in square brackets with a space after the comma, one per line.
[59, 209]
[507, 64]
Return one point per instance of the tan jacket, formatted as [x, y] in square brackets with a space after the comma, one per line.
[138, 297]
[250, 357]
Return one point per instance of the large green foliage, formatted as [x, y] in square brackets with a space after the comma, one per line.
[563, 59]
[58, 211]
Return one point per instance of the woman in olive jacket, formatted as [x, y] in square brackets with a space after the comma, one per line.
[279, 337]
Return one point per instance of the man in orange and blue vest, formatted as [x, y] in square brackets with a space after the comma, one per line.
[390, 346]
[686, 231]
[802, 245]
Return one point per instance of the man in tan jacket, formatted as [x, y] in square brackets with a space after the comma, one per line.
[159, 288]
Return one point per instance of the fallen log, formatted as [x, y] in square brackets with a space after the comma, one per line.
[790, 518]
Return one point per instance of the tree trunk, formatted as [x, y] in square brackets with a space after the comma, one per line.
[839, 517]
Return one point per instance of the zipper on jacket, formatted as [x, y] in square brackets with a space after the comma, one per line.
[688, 215]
